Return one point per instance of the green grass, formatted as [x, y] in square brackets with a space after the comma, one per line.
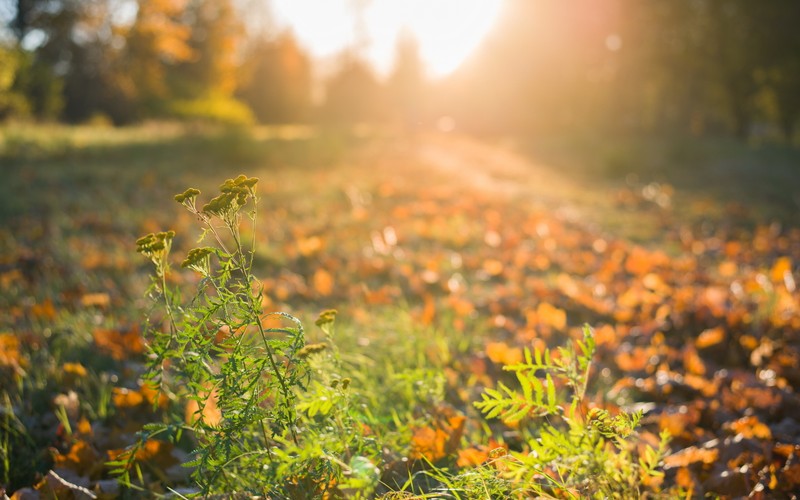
[715, 180]
[402, 243]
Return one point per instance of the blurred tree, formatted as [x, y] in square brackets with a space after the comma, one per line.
[353, 95]
[75, 41]
[781, 54]
[685, 65]
[732, 39]
[278, 83]
[214, 39]
[38, 91]
[155, 41]
[12, 103]
[406, 85]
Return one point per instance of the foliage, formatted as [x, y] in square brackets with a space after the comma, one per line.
[223, 110]
[242, 372]
[584, 453]
[277, 81]
[217, 351]
[442, 282]
[11, 103]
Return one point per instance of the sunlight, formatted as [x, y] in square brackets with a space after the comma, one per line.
[447, 30]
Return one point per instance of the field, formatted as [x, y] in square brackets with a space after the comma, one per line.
[446, 258]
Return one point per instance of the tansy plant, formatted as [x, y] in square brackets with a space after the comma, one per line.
[240, 376]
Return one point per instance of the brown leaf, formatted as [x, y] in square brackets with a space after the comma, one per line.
[81, 459]
[119, 344]
[101, 300]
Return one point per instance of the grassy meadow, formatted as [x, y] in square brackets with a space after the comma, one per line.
[446, 259]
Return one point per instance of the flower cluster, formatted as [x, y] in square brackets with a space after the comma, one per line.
[197, 259]
[234, 194]
[156, 246]
[188, 195]
[310, 349]
[326, 320]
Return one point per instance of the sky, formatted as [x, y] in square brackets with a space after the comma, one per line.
[447, 31]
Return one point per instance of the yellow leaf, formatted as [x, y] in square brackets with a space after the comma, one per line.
[75, 369]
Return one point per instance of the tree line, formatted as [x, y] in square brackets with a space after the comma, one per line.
[684, 66]
[706, 67]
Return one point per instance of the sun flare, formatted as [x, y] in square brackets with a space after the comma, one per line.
[447, 31]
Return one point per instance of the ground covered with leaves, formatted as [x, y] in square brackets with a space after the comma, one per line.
[439, 281]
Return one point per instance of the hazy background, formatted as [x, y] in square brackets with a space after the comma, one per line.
[513, 67]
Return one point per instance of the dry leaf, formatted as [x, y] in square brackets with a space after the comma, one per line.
[503, 354]
[323, 282]
[692, 455]
[712, 336]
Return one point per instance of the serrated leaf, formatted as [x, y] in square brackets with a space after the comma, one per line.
[538, 389]
[551, 393]
[517, 414]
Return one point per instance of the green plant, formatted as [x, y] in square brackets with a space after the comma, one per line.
[577, 452]
[240, 371]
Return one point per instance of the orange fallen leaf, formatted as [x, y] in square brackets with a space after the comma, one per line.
[712, 336]
[157, 453]
[493, 267]
[95, 300]
[428, 310]
[728, 269]
[638, 262]
[74, 369]
[782, 266]
[637, 359]
[126, 398]
[309, 246]
[685, 479]
[436, 443]
[750, 427]
[692, 361]
[503, 354]
[471, 457]
[44, 310]
[428, 443]
[119, 344]
[150, 394]
[692, 455]
[551, 315]
[323, 282]
[605, 335]
[84, 427]
[210, 413]
[9, 351]
[81, 458]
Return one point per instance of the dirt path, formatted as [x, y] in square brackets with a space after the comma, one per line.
[496, 168]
